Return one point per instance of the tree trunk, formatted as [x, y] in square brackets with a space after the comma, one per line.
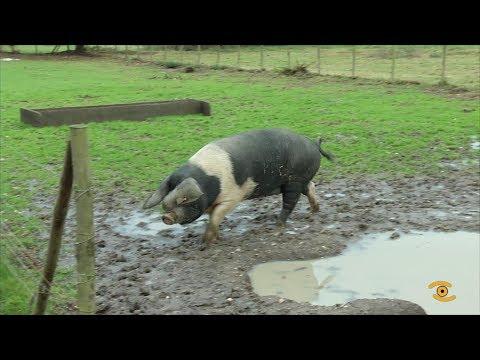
[80, 49]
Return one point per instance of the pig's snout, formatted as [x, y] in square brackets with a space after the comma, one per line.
[169, 219]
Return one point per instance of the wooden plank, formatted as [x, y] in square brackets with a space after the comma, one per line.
[135, 111]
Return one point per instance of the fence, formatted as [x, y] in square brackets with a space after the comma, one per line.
[76, 175]
[456, 65]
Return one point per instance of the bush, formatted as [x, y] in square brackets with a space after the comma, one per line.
[300, 69]
[218, 67]
[169, 64]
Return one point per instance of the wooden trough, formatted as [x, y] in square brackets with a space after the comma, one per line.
[134, 111]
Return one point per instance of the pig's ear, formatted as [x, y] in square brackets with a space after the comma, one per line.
[158, 195]
[188, 191]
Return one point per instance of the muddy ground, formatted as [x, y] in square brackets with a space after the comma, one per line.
[144, 267]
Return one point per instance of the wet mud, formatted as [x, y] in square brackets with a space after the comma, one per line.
[146, 267]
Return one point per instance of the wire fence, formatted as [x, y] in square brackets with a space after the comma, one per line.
[457, 65]
[25, 240]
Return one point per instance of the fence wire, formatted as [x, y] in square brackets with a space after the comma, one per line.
[24, 260]
[456, 65]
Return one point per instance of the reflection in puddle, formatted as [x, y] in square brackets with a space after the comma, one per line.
[379, 267]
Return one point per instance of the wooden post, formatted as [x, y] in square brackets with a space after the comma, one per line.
[56, 232]
[85, 245]
[199, 52]
[238, 56]
[218, 56]
[353, 61]
[181, 53]
[318, 60]
[392, 70]
[443, 79]
[261, 57]
[289, 60]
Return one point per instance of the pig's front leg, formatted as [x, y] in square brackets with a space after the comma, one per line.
[216, 216]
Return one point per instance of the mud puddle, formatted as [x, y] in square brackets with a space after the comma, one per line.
[384, 266]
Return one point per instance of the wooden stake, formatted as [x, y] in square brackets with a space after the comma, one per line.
[56, 232]
[353, 61]
[85, 246]
[238, 56]
[261, 57]
[392, 71]
[443, 80]
[199, 52]
[318, 60]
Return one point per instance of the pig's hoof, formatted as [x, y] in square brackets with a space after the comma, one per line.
[209, 239]
[279, 230]
[315, 209]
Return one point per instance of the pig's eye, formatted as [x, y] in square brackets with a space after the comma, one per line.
[181, 200]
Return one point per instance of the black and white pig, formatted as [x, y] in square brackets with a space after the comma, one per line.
[245, 166]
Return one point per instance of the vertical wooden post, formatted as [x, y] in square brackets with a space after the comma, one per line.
[56, 232]
[443, 79]
[261, 57]
[85, 245]
[218, 56]
[181, 53]
[199, 52]
[353, 61]
[392, 70]
[289, 64]
[238, 56]
[318, 60]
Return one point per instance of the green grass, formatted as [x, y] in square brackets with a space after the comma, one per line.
[373, 129]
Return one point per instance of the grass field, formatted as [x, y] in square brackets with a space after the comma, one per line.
[377, 129]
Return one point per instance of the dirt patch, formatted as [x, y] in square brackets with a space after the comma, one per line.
[150, 269]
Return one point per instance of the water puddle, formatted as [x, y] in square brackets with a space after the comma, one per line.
[380, 267]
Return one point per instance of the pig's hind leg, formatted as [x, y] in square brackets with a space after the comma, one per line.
[312, 196]
[290, 195]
